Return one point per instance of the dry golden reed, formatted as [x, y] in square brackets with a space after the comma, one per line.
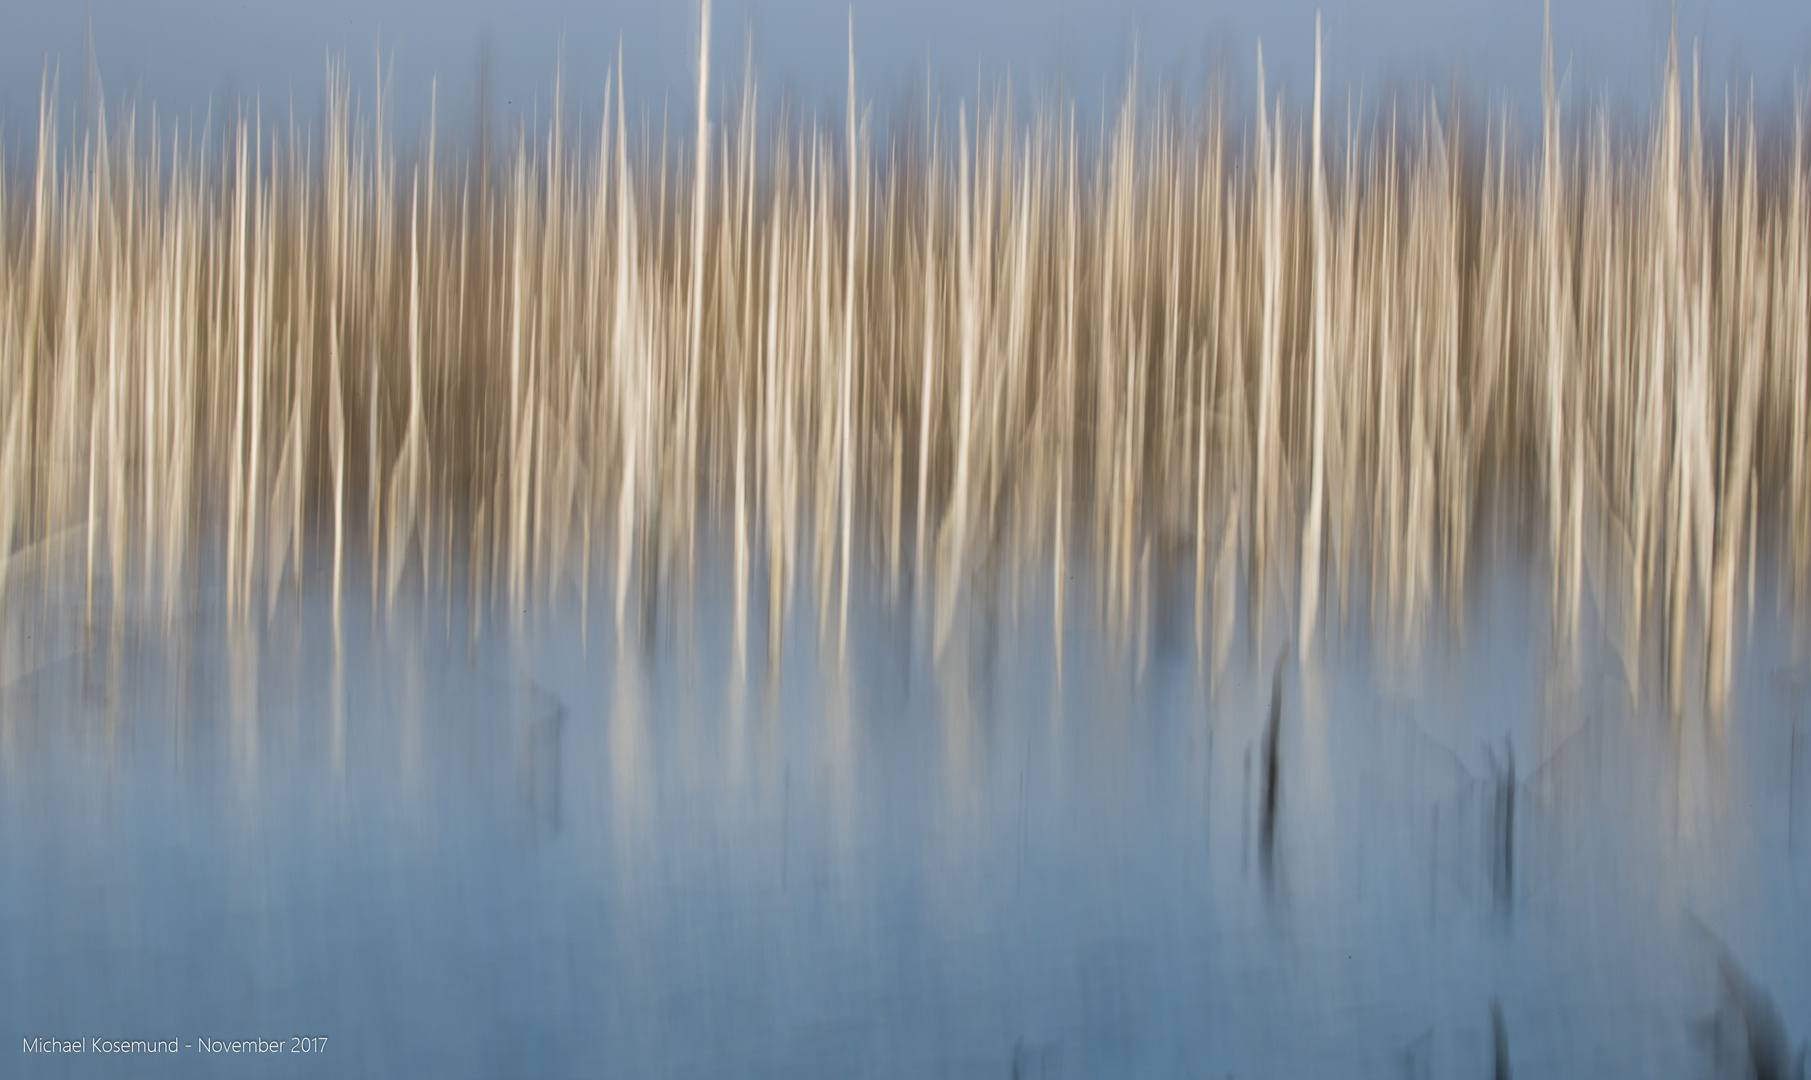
[1318, 362]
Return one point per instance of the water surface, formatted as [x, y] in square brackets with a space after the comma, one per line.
[537, 850]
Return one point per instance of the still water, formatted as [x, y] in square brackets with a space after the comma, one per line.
[537, 850]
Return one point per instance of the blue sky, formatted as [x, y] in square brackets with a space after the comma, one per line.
[182, 54]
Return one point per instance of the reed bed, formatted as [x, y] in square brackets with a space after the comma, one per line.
[1319, 360]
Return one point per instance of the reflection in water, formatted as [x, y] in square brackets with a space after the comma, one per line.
[1271, 776]
[540, 852]
[1499, 1043]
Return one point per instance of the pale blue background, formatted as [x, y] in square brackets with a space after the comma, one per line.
[184, 54]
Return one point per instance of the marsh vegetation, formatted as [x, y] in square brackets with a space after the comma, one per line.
[1317, 355]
